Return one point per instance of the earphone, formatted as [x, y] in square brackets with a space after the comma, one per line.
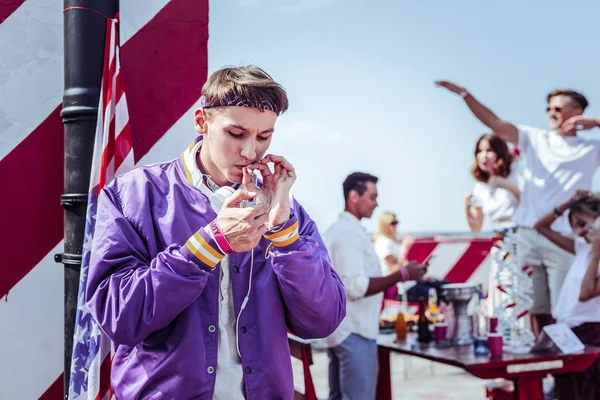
[217, 199]
[237, 322]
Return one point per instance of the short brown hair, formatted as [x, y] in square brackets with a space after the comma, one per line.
[573, 95]
[503, 162]
[249, 83]
[357, 181]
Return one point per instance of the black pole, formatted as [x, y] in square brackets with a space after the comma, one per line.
[84, 34]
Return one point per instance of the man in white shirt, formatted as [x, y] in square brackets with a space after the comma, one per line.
[352, 348]
[557, 164]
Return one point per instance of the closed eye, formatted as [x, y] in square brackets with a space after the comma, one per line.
[235, 135]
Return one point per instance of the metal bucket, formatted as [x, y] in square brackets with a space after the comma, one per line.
[460, 294]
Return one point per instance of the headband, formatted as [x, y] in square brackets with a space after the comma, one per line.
[235, 101]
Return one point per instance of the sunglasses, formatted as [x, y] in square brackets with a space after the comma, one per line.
[557, 109]
[394, 223]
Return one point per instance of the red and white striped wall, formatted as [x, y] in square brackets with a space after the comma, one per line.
[456, 259]
[164, 65]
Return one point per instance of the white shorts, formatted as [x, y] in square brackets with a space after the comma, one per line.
[550, 265]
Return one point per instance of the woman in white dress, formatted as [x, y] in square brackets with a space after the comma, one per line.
[391, 250]
[495, 196]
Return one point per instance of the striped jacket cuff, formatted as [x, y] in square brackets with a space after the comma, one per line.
[204, 248]
[285, 234]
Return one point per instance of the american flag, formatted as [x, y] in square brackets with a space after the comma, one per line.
[164, 58]
[113, 155]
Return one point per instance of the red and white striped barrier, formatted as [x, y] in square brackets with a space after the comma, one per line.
[457, 259]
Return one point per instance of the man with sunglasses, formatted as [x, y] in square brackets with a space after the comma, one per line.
[557, 164]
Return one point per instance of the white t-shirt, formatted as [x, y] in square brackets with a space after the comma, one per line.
[498, 204]
[555, 168]
[569, 309]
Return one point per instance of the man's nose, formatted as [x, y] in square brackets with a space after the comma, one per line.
[249, 150]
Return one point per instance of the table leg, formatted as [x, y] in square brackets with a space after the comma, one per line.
[529, 388]
[384, 376]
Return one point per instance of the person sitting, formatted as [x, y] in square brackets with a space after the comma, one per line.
[578, 303]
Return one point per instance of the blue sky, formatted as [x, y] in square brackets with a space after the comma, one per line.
[360, 82]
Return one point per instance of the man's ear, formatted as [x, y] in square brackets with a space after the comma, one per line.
[353, 196]
[200, 121]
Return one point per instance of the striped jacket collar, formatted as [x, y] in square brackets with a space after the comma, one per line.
[194, 174]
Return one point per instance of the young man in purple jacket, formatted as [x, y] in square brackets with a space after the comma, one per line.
[199, 266]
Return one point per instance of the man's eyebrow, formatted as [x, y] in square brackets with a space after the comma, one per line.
[240, 127]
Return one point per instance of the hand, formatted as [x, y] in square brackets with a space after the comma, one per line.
[578, 123]
[243, 227]
[415, 270]
[498, 182]
[469, 201]
[593, 237]
[275, 192]
[450, 86]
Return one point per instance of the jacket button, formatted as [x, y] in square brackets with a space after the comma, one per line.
[247, 370]
[210, 369]
[211, 328]
[243, 329]
[235, 269]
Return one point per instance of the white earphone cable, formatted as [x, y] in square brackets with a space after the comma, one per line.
[237, 322]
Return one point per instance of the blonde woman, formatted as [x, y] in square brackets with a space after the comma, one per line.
[391, 251]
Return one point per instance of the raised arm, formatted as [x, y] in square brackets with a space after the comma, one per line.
[505, 130]
[579, 123]
[543, 226]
